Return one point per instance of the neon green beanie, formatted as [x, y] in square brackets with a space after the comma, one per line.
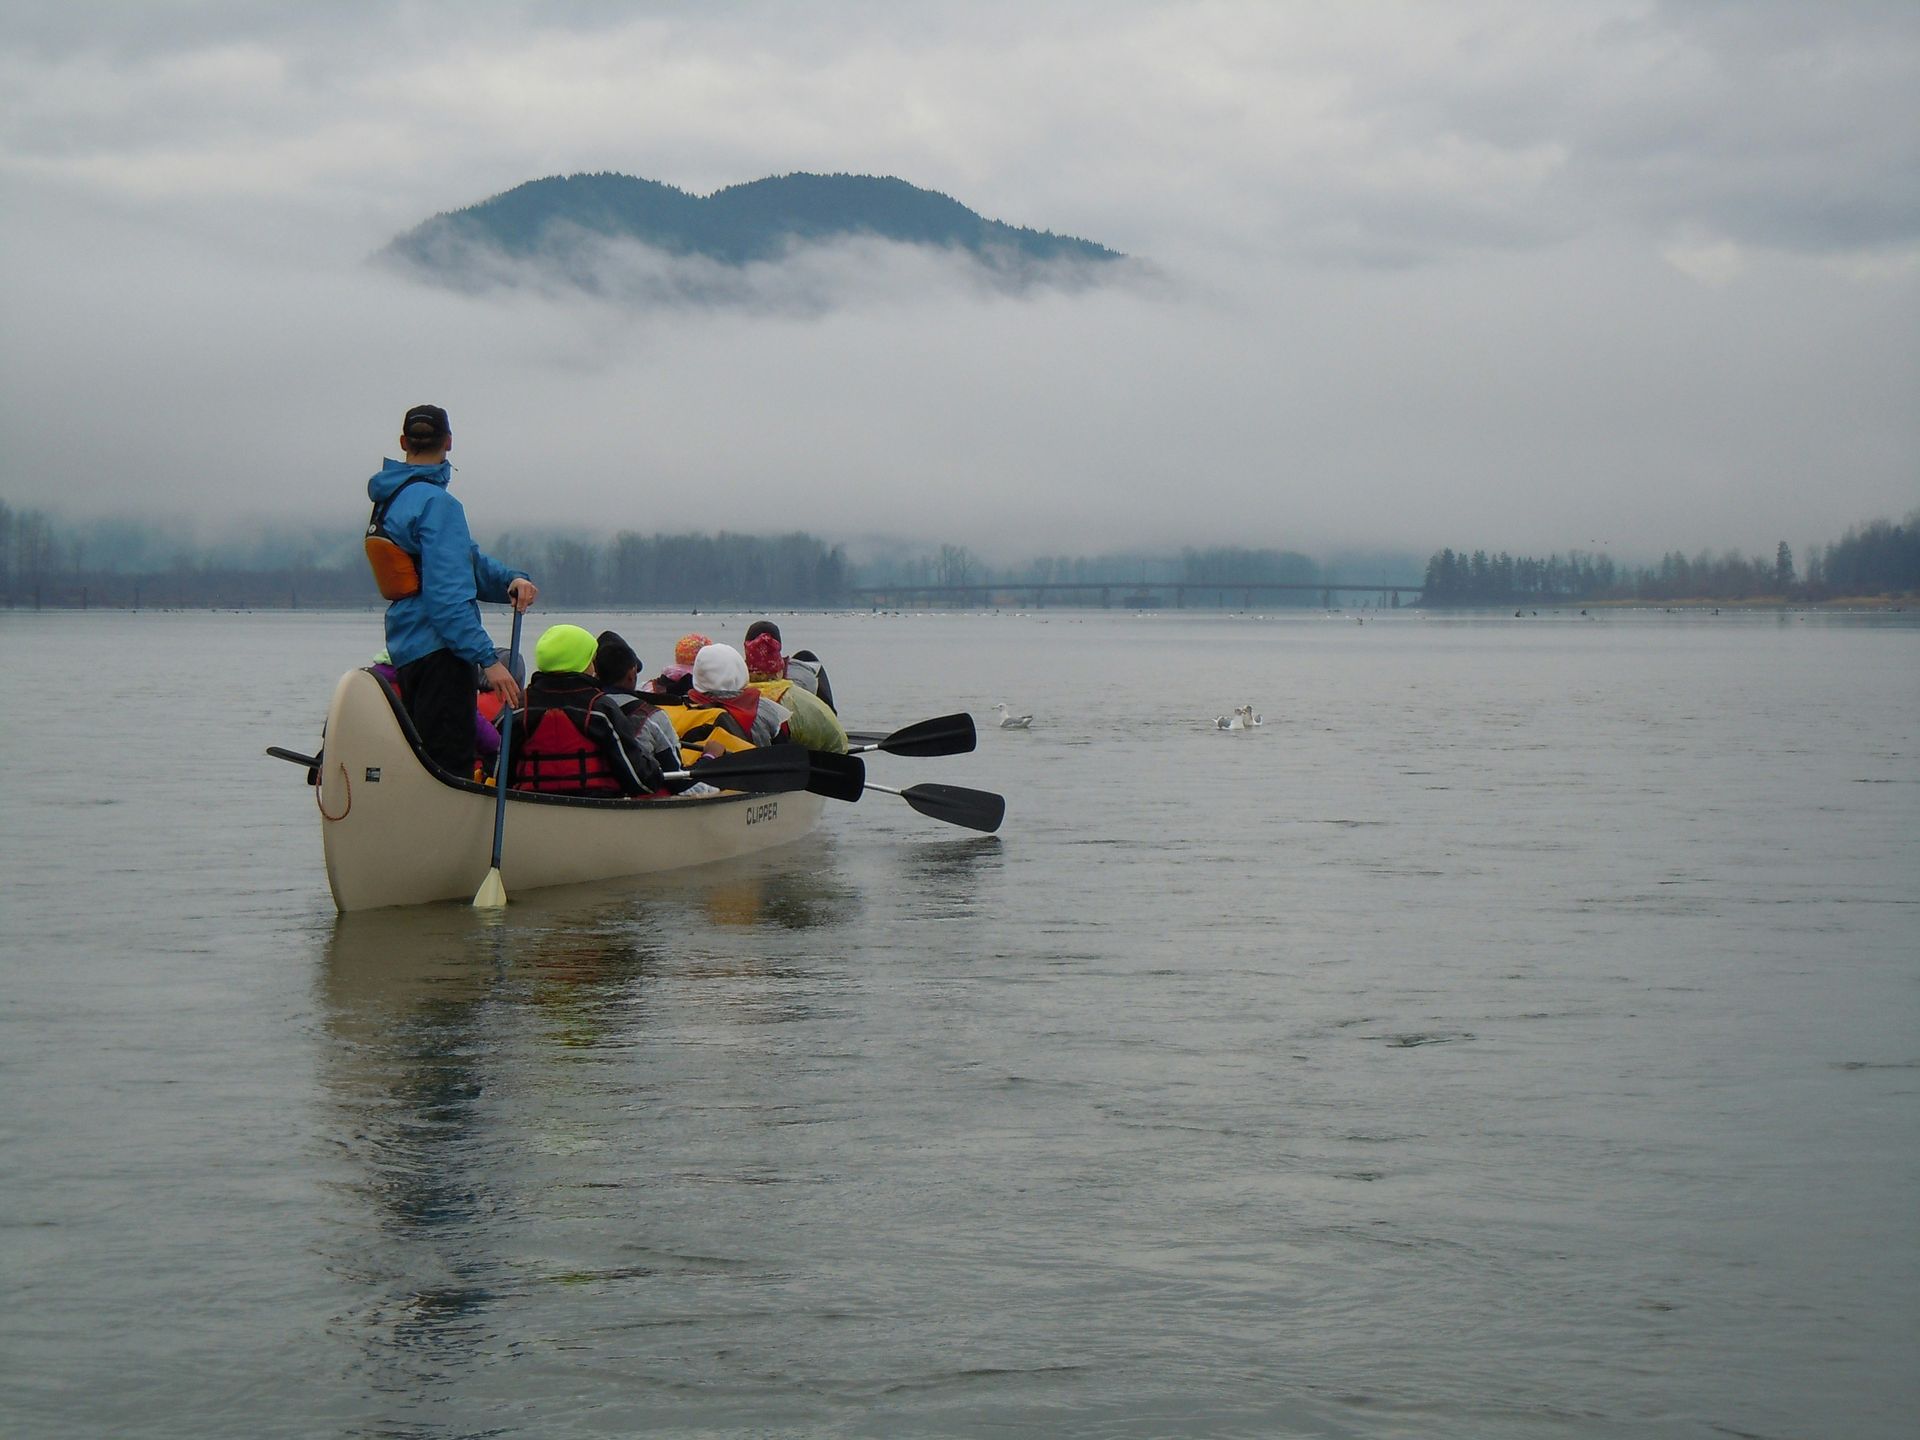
[565, 648]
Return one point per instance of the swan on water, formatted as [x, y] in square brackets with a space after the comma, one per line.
[1010, 721]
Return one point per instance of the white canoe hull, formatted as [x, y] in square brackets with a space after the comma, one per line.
[397, 834]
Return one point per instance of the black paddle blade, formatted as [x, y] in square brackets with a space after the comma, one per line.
[312, 762]
[838, 777]
[975, 809]
[773, 770]
[942, 735]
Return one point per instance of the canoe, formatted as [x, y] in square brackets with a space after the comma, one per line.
[398, 832]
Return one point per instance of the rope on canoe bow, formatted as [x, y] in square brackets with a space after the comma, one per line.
[320, 804]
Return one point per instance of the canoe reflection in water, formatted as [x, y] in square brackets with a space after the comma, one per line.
[509, 1092]
[406, 996]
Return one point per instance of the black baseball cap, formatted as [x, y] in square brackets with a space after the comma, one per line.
[426, 422]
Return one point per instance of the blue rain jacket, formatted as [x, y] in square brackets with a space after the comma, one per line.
[455, 576]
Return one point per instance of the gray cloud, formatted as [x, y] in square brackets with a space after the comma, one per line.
[1405, 129]
[1533, 275]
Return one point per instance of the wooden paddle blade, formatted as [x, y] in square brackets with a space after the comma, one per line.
[942, 735]
[838, 777]
[492, 894]
[975, 809]
[769, 770]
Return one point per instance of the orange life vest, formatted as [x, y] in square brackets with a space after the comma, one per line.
[395, 571]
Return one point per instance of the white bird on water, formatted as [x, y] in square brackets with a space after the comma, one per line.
[1010, 721]
[1242, 718]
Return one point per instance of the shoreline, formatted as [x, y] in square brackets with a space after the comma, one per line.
[1854, 604]
[1762, 602]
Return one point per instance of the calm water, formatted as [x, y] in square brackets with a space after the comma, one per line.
[1518, 1035]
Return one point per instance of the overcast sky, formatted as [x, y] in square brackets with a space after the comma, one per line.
[1525, 275]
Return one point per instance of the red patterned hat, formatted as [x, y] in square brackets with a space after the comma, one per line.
[764, 660]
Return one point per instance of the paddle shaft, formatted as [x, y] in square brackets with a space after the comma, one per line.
[500, 776]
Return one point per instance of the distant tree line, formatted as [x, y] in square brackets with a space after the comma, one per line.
[1223, 565]
[657, 570]
[1870, 559]
[1457, 578]
[1218, 575]
[30, 551]
[120, 562]
[1879, 558]
[123, 563]
[110, 564]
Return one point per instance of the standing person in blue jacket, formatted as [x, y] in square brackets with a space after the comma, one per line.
[435, 577]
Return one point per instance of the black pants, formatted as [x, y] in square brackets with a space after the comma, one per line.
[438, 691]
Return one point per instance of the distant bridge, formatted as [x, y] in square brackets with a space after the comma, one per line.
[1145, 595]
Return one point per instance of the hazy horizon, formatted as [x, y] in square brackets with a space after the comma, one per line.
[162, 540]
[1621, 277]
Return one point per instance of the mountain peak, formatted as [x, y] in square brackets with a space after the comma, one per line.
[556, 226]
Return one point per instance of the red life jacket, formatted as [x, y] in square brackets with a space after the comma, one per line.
[559, 757]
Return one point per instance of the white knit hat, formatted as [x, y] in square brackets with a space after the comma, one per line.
[720, 671]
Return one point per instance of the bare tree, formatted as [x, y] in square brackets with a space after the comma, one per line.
[955, 565]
